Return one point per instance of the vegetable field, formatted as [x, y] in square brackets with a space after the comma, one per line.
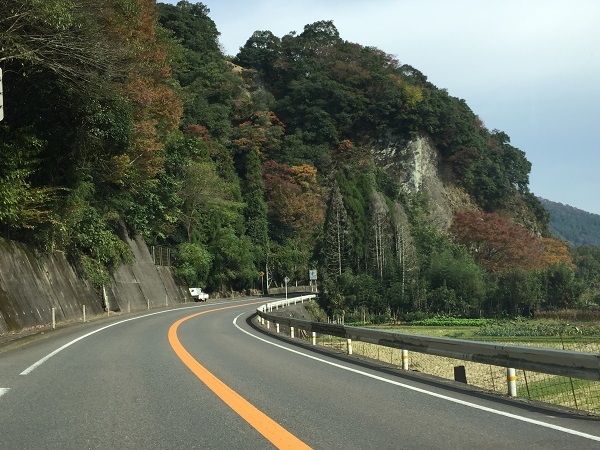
[569, 392]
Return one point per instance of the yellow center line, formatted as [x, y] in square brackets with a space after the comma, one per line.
[271, 430]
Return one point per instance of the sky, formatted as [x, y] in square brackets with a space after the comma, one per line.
[530, 68]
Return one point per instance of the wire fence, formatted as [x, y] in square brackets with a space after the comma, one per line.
[580, 394]
[161, 256]
[562, 391]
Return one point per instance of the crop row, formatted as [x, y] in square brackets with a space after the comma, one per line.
[538, 330]
[452, 322]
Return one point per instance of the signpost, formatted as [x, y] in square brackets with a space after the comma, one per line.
[262, 282]
[312, 276]
[287, 280]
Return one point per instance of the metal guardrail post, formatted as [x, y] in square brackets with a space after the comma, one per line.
[572, 364]
[404, 359]
[511, 379]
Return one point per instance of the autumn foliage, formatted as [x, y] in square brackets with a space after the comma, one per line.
[261, 133]
[556, 253]
[126, 112]
[496, 243]
[293, 196]
[156, 107]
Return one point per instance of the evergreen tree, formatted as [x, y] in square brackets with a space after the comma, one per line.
[335, 239]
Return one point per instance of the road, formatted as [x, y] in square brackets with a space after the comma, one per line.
[165, 380]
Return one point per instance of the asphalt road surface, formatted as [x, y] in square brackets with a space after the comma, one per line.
[202, 377]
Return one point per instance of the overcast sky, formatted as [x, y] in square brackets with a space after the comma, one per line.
[529, 68]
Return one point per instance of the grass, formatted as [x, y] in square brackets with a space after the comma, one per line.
[544, 389]
[460, 332]
[575, 393]
[563, 391]
[552, 331]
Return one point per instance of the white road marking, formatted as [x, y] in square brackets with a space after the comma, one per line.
[423, 391]
[3, 391]
[68, 344]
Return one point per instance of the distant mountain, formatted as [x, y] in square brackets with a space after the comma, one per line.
[574, 225]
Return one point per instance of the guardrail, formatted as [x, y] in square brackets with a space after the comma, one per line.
[555, 362]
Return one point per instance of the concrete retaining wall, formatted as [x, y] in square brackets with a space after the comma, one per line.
[31, 284]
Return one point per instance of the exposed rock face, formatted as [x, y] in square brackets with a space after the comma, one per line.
[416, 166]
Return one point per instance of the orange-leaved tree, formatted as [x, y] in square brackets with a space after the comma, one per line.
[496, 243]
[293, 196]
[261, 133]
[146, 83]
[556, 253]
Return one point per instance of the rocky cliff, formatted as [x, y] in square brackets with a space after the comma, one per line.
[417, 167]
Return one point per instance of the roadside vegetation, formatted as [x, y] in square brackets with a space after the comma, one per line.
[125, 117]
[523, 331]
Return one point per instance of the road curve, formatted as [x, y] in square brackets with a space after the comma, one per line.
[123, 384]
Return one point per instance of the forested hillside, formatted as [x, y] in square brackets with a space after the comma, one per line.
[574, 225]
[125, 114]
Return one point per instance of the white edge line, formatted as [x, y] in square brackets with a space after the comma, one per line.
[423, 391]
[3, 391]
[68, 344]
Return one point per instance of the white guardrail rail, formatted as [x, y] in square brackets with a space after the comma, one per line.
[555, 362]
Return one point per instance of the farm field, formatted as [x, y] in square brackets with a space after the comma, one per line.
[573, 393]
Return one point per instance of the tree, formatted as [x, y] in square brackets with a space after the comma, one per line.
[335, 235]
[156, 107]
[404, 248]
[194, 263]
[210, 87]
[496, 243]
[294, 199]
[562, 289]
[260, 52]
[519, 292]
[457, 282]
[21, 204]
[233, 266]
[556, 253]
[587, 271]
[261, 133]
[320, 34]
[253, 194]
[191, 23]
[201, 188]
[381, 235]
[54, 35]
